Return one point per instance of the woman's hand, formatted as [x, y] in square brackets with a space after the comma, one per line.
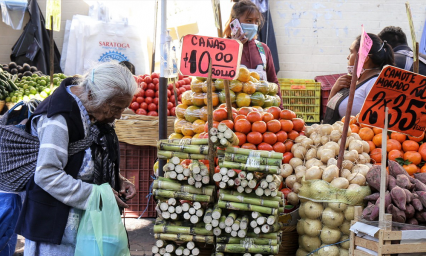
[341, 83]
[120, 203]
[240, 36]
[128, 189]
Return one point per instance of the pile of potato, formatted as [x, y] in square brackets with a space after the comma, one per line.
[315, 157]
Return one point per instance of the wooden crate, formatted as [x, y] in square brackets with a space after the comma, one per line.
[384, 246]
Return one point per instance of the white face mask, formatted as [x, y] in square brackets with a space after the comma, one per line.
[351, 70]
[250, 30]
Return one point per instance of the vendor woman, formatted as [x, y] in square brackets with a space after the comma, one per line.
[380, 54]
[256, 55]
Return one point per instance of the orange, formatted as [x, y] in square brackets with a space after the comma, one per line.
[281, 136]
[411, 169]
[410, 145]
[366, 133]
[398, 136]
[376, 155]
[287, 114]
[243, 126]
[377, 140]
[274, 126]
[267, 117]
[258, 126]
[298, 124]
[215, 99]
[265, 146]
[228, 123]
[254, 74]
[238, 117]
[413, 156]
[422, 151]
[243, 100]
[288, 145]
[254, 117]
[293, 135]
[270, 138]
[248, 146]
[394, 154]
[241, 137]
[220, 114]
[417, 139]
[249, 87]
[286, 125]
[236, 86]
[279, 147]
[198, 126]
[187, 98]
[393, 144]
[351, 121]
[377, 130]
[255, 138]
[275, 111]
[203, 113]
[197, 99]
[423, 169]
[354, 128]
[371, 144]
[244, 75]
[244, 111]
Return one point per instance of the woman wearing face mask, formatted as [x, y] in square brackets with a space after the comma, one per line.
[380, 54]
[256, 55]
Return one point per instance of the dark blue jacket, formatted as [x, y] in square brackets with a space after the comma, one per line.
[43, 218]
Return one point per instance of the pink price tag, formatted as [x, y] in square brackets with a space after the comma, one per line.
[364, 49]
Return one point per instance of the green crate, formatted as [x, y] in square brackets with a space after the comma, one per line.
[302, 97]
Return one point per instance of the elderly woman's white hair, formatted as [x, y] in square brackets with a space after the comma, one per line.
[106, 81]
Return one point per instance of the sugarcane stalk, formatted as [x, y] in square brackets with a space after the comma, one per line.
[215, 223]
[220, 136]
[191, 210]
[179, 250]
[191, 149]
[206, 190]
[261, 153]
[222, 224]
[272, 228]
[217, 231]
[224, 142]
[236, 225]
[187, 172]
[241, 248]
[199, 213]
[214, 139]
[228, 230]
[231, 137]
[155, 249]
[243, 159]
[204, 172]
[162, 251]
[264, 184]
[172, 175]
[163, 206]
[160, 243]
[267, 192]
[174, 216]
[231, 183]
[235, 193]
[168, 167]
[253, 223]
[235, 240]
[249, 200]
[225, 178]
[222, 184]
[217, 177]
[185, 238]
[247, 207]
[257, 230]
[250, 176]
[169, 154]
[217, 212]
[186, 252]
[181, 195]
[171, 209]
[168, 180]
[259, 191]
[194, 219]
[166, 215]
[260, 168]
[205, 180]
[240, 189]
[234, 233]
[181, 230]
[261, 220]
[242, 175]
[248, 190]
[213, 131]
[242, 233]
[170, 248]
[195, 251]
[160, 222]
[180, 177]
[209, 227]
[267, 236]
[271, 220]
[252, 184]
[230, 219]
[191, 181]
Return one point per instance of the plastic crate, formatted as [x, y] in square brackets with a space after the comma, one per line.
[327, 83]
[304, 98]
[136, 164]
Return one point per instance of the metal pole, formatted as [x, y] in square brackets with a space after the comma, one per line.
[162, 107]
[154, 39]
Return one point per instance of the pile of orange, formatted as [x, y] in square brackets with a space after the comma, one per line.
[408, 151]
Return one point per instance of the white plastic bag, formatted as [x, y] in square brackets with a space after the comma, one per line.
[13, 12]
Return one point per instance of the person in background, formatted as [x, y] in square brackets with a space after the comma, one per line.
[128, 65]
[402, 52]
[256, 55]
[59, 191]
[380, 54]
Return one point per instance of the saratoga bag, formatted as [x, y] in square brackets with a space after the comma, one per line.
[19, 149]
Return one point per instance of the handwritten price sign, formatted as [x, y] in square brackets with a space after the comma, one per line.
[404, 93]
[225, 55]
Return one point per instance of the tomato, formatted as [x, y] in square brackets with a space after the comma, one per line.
[173, 111]
[182, 90]
[155, 80]
[187, 81]
[139, 80]
[180, 98]
[140, 92]
[144, 105]
[152, 107]
[157, 94]
[155, 75]
[143, 85]
[169, 105]
[151, 86]
[149, 93]
[180, 77]
[187, 87]
[157, 87]
[168, 112]
[170, 87]
[148, 79]
[155, 101]
[287, 157]
[134, 105]
[286, 191]
[134, 99]
[139, 100]
[169, 93]
[141, 111]
[152, 113]
[148, 100]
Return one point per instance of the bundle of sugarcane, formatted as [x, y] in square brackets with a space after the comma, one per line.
[250, 248]
[212, 217]
[185, 238]
[162, 247]
[223, 136]
[226, 196]
[199, 174]
[181, 227]
[193, 212]
[167, 208]
[247, 240]
[248, 181]
[260, 220]
[250, 207]
[162, 193]
[279, 198]
[174, 170]
[232, 224]
[269, 185]
[227, 178]
[173, 185]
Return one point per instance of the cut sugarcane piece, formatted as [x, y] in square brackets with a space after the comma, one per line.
[169, 154]
[170, 248]
[186, 216]
[186, 252]
[214, 139]
[213, 131]
[204, 172]
[198, 177]
[235, 193]
[242, 175]
[217, 231]
[220, 136]
[242, 233]
[231, 173]
[171, 201]
[172, 175]
[168, 180]
[194, 219]
[206, 190]
[179, 168]
[160, 243]
[241, 248]
[267, 192]
[209, 227]
[215, 223]
[162, 251]
[223, 171]
[253, 223]
[191, 181]
[261, 220]
[224, 142]
[191, 149]
[274, 193]
[248, 190]
[185, 207]
[187, 141]
[248, 200]
[243, 159]
[180, 177]
[205, 180]
[230, 219]
[190, 245]
[181, 195]
[244, 183]
[175, 160]
[195, 251]
[155, 249]
[237, 182]
[261, 153]
[272, 228]
[259, 191]
[231, 137]
[269, 178]
[255, 215]
[236, 224]
[199, 213]
[257, 230]
[261, 168]
[194, 230]
[234, 233]
[264, 184]
[234, 240]
[231, 183]
[222, 224]
[240, 189]
[263, 235]
[187, 172]
[250, 176]
[196, 205]
[217, 212]
[179, 251]
[171, 209]
[198, 184]
[228, 230]
[217, 177]
[174, 216]
[222, 184]
[208, 216]
[165, 215]
[225, 178]
[177, 223]
[247, 254]
[163, 206]
[168, 167]
[222, 127]
[191, 210]
[271, 220]
[252, 184]
[195, 167]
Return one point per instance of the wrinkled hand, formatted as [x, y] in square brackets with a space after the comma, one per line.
[342, 82]
[128, 189]
[240, 36]
[120, 203]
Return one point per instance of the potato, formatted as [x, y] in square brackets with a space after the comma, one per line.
[345, 245]
[350, 213]
[365, 146]
[313, 162]
[331, 250]
[326, 129]
[345, 227]
[361, 169]
[325, 139]
[345, 173]
[361, 159]
[337, 126]
[346, 164]
[332, 145]
[293, 198]
[343, 252]
[351, 155]
[320, 187]
[316, 138]
[327, 154]
[313, 210]
[301, 252]
[332, 218]
[356, 136]
[356, 145]
[338, 207]
[290, 180]
[312, 153]
[330, 235]
[300, 227]
[356, 178]
[309, 243]
[294, 162]
[332, 161]
[340, 182]
[348, 140]
[307, 143]
[335, 135]
[300, 138]
[308, 130]
[294, 147]
[286, 171]
[302, 213]
[330, 173]
[299, 176]
[367, 157]
[312, 227]
[296, 187]
[319, 152]
[313, 173]
[300, 152]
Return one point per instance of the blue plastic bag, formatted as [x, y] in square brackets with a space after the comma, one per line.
[101, 232]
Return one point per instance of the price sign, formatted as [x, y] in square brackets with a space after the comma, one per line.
[364, 49]
[404, 93]
[225, 55]
[413, 32]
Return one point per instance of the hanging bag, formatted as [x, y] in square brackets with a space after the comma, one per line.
[101, 232]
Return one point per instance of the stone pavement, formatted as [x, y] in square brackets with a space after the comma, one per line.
[141, 237]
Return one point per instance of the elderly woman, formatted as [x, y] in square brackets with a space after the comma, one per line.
[59, 191]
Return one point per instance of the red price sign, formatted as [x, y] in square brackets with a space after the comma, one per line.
[404, 93]
[225, 55]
